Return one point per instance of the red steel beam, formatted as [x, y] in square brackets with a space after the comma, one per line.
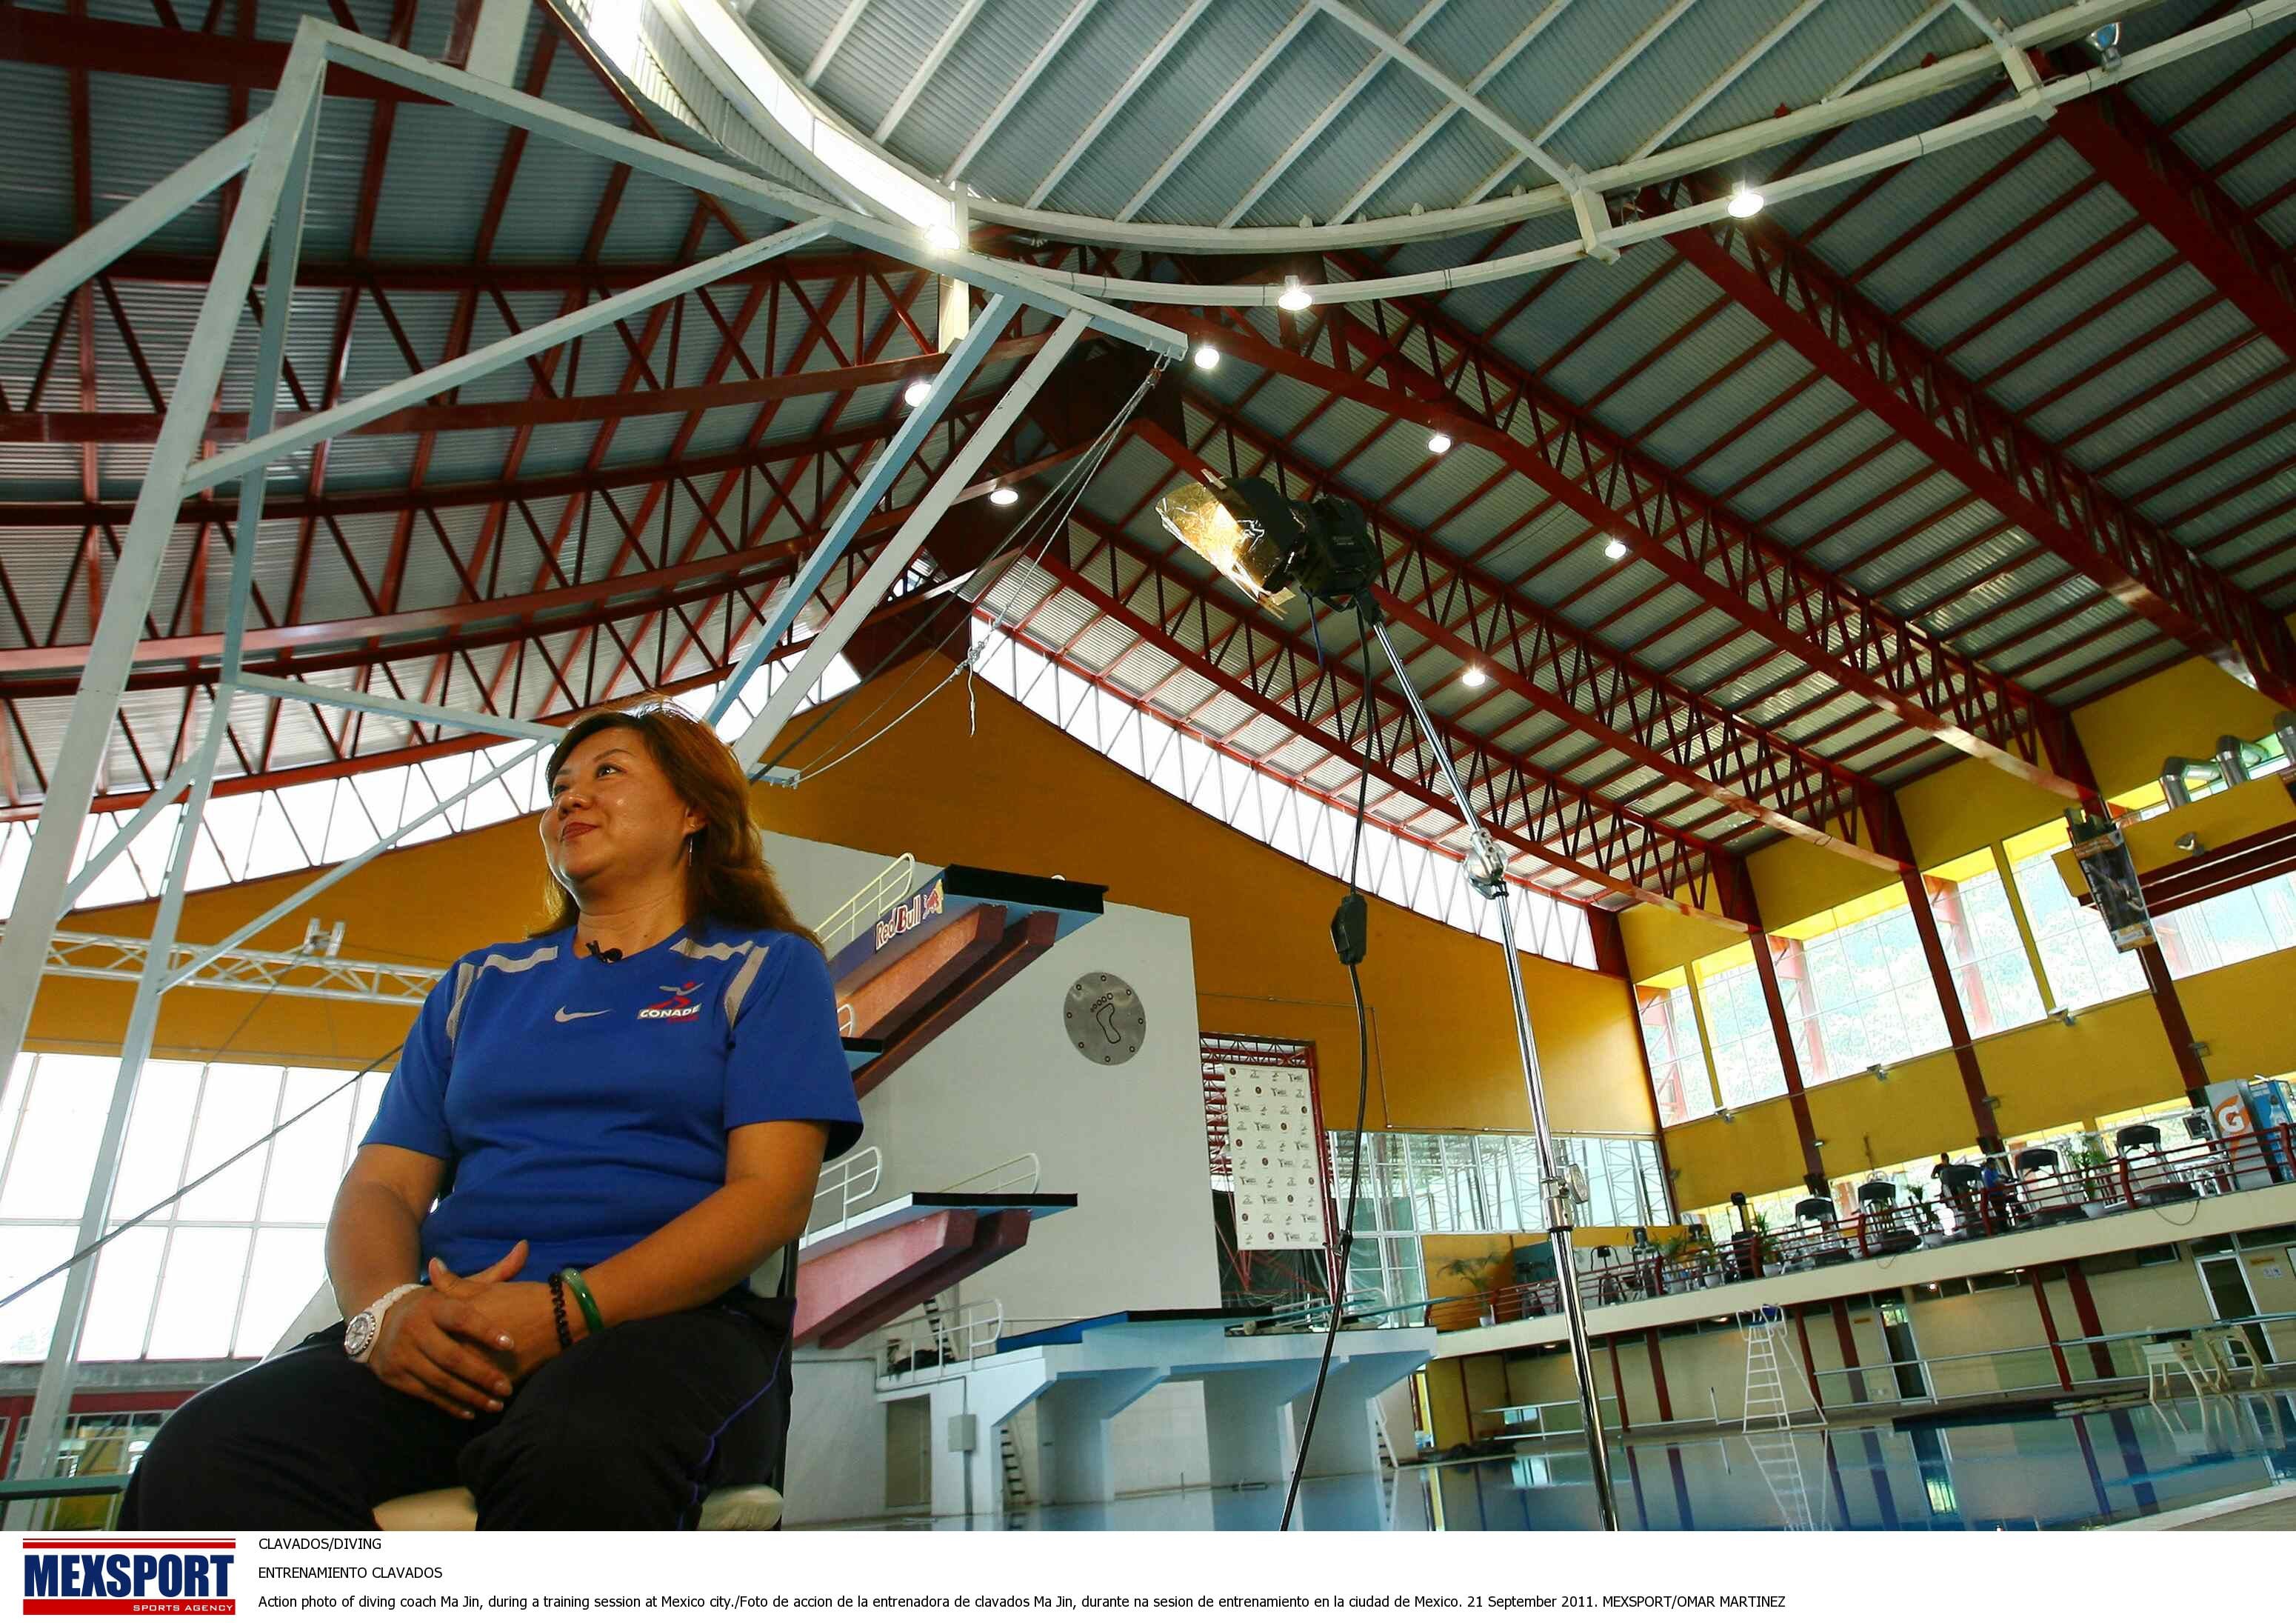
[1988, 449]
[1685, 534]
[1566, 673]
[1197, 621]
[2177, 199]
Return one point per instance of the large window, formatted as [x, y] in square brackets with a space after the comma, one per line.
[1991, 973]
[220, 1273]
[2077, 951]
[1312, 828]
[1746, 1064]
[1487, 1183]
[2230, 929]
[1679, 1081]
[1863, 986]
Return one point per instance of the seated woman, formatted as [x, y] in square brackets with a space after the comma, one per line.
[621, 1120]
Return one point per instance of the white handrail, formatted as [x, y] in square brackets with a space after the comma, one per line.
[850, 1182]
[1031, 1171]
[892, 883]
[957, 1341]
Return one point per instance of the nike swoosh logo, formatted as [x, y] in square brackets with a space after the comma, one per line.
[578, 1014]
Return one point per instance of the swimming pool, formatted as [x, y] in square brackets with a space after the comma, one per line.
[2082, 1471]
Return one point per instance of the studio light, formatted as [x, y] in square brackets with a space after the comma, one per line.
[1207, 357]
[1474, 676]
[1438, 442]
[918, 393]
[1745, 203]
[1614, 549]
[1003, 495]
[1268, 544]
[942, 240]
[1295, 297]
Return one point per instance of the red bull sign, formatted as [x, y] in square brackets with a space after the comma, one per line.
[926, 904]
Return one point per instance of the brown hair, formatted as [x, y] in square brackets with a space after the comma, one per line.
[727, 877]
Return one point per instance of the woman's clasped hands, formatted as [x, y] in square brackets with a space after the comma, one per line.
[466, 1343]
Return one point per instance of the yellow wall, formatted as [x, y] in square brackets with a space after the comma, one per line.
[2182, 711]
[1019, 795]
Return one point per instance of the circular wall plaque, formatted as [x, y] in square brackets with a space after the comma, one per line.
[1104, 1020]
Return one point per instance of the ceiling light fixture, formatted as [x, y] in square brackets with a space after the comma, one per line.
[1614, 549]
[1003, 495]
[1207, 357]
[918, 393]
[1474, 676]
[1295, 297]
[1745, 203]
[942, 240]
[1438, 442]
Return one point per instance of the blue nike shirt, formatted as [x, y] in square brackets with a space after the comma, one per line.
[581, 1105]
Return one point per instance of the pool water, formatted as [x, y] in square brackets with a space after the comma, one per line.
[2082, 1471]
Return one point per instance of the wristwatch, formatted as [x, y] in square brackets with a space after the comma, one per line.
[360, 1335]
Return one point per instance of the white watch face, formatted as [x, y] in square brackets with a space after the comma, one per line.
[358, 1335]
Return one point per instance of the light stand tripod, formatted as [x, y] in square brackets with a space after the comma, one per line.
[1270, 544]
[1487, 872]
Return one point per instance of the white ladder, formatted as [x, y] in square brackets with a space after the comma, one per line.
[1768, 1424]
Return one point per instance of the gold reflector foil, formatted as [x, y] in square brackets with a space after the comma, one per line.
[1202, 523]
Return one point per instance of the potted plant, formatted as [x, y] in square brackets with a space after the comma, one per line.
[1474, 1273]
[1771, 1267]
[2090, 1161]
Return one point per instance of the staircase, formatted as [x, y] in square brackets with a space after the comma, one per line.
[1769, 1425]
[1016, 1483]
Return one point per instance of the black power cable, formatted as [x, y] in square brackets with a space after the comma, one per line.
[1350, 940]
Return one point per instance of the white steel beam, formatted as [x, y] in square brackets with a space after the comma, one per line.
[2249, 20]
[875, 482]
[2014, 59]
[1730, 76]
[85, 255]
[1011, 99]
[837, 30]
[1586, 93]
[1125, 92]
[200, 957]
[1897, 43]
[1481, 111]
[94, 957]
[1433, 126]
[259, 451]
[270, 205]
[926, 68]
[1217, 110]
[1322, 120]
[410, 710]
[674, 163]
[897, 555]
[154, 803]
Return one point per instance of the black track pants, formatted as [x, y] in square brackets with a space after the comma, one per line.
[629, 1428]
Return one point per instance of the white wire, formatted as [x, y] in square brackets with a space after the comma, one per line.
[1079, 477]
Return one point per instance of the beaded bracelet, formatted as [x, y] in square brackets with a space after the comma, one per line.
[558, 1310]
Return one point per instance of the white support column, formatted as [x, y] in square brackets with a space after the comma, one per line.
[879, 477]
[1075, 1423]
[1347, 1436]
[71, 786]
[896, 555]
[154, 803]
[411, 709]
[1247, 1420]
[271, 203]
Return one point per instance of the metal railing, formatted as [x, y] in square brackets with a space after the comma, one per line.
[2132, 1182]
[1021, 1169]
[844, 1184]
[863, 906]
[933, 1343]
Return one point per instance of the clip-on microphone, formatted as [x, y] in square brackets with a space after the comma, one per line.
[605, 955]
